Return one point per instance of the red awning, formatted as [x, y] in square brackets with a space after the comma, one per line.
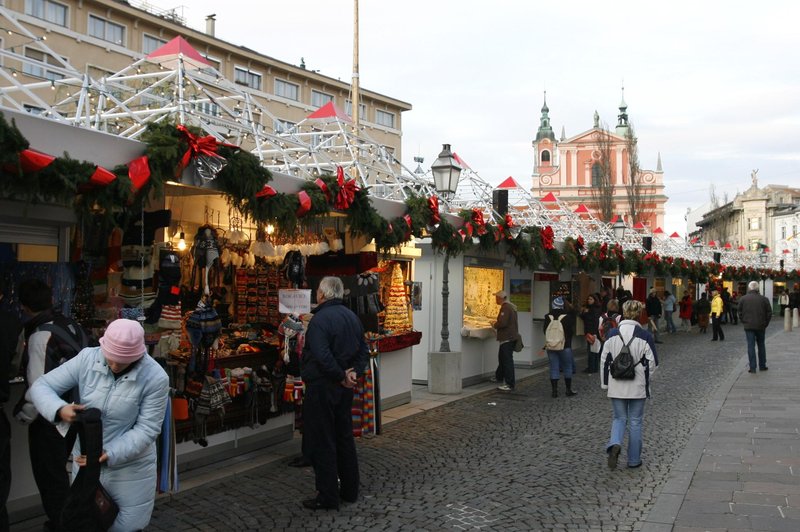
[461, 161]
[329, 110]
[675, 235]
[728, 245]
[614, 219]
[510, 182]
[549, 198]
[639, 225]
[169, 53]
[741, 248]
[712, 243]
[658, 231]
[582, 209]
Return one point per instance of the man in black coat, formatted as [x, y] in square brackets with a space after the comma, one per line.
[653, 309]
[755, 313]
[334, 355]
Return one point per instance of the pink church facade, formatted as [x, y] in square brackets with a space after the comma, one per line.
[567, 168]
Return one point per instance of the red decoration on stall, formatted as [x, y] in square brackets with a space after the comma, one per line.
[433, 205]
[33, 161]
[321, 184]
[305, 203]
[462, 234]
[197, 146]
[477, 222]
[101, 177]
[340, 175]
[579, 243]
[266, 192]
[548, 236]
[139, 172]
[407, 219]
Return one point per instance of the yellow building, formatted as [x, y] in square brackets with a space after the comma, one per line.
[101, 37]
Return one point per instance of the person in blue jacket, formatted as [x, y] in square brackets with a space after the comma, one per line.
[131, 390]
[334, 355]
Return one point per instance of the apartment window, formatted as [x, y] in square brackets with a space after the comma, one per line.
[47, 10]
[382, 118]
[318, 99]
[106, 30]
[362, 109]
[208, 108]
[150, 44]
[754, 224]
[783, 232]
[37, 70]
[282, 126]
[216, 63]
[284, 89]
[246, 77]
[32, 109]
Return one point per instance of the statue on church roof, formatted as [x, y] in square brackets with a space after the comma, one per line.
[754, 177]
[596, 119]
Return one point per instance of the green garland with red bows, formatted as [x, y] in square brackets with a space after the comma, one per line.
[31, 176]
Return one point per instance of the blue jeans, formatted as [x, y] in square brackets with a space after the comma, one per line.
[561, 361]
[756, 337]
[670, 323]
[628, 412]
[505, 364]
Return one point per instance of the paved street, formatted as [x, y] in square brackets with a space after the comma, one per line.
[525, 461]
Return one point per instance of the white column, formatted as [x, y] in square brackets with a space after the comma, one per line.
[619, 165]
[574, 177]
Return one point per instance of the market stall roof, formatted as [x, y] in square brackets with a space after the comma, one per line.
[178, 48]
[508, 183]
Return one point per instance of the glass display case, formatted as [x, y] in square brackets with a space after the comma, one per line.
[480, 308]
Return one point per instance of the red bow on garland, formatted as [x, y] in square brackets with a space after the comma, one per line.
[503, 228]
[266, 192]
[433, 205]
[198, 146]
[548, 236]
[305, 203]
[347, 190]
[324, 188]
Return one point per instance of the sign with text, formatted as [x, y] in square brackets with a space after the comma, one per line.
[294, 301]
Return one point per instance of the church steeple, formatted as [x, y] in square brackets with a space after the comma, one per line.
[622, 119]
[545, 130]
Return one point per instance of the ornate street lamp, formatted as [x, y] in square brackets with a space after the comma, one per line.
[446, 172]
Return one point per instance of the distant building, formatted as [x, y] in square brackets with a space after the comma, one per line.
[755, 218]
[569, 168]
[101, 37]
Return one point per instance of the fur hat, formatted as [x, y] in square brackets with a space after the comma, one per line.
[123, 341]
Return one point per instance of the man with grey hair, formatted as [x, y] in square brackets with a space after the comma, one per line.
[755, 312]
[334, 355]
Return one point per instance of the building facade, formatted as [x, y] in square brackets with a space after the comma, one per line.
[572, 168]
[756, 218]
[101, 37]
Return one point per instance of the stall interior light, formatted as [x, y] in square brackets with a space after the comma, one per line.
[181, 239]
[270, 229]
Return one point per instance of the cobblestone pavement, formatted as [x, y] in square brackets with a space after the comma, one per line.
[493, 461]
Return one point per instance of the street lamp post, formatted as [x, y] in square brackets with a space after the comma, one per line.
[619, 234]
[444, 366]
[446, 172]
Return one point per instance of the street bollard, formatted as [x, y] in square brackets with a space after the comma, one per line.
[787, 320]
[795, 318]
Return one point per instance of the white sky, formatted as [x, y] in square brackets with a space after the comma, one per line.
[714, 86]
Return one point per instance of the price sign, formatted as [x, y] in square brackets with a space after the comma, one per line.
[294, 301]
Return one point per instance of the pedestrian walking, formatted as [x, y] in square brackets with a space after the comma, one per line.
[702, 309]
[685, 312]
[628, 396]
[132, 390]
[507, 333]
[10, 329]
[717, 309]
[733, 314]
[669, 308]
[755, 311]
[558, 344]
[726, 304]
[334, 355]
[654, 309]
[590, 314]
[783, 301]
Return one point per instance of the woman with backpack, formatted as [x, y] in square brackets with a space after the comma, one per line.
[559, 328]
[628, 385]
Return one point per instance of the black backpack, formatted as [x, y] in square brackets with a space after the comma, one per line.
[623, 367]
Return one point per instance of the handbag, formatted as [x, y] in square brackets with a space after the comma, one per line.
[518, 345]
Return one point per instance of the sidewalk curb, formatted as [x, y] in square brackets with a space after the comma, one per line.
[669, 501]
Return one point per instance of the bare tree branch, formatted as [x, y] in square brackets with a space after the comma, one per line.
[641, 198]
[602, 176]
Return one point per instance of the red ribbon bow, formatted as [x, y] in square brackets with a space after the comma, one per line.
[547, 237]
[197, 146]
[433, 205]
[321, 184]
[477, 221]
[346, 195]
[305, 203]
[266, 192]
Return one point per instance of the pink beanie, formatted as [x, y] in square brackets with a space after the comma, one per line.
[123, 341]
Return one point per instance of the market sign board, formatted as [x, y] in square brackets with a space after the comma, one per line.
[294, 301]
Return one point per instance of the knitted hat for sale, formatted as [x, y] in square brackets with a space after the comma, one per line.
[123, 341]
[558, 302]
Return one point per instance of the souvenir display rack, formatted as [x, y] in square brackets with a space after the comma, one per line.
[480, 307]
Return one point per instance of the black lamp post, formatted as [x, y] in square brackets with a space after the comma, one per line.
[446, 172]
[619, 234]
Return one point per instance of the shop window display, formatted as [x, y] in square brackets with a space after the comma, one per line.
[480, 308]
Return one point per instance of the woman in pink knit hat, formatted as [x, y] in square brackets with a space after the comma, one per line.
[131, 390]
